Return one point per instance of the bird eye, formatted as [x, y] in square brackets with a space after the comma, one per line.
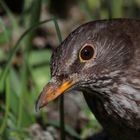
[87, 52]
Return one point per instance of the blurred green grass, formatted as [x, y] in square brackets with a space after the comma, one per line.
[21, 83]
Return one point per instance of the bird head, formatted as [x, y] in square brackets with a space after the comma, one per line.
[91, 57]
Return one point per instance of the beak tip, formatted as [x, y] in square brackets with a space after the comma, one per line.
[37, 107]
[39, 104]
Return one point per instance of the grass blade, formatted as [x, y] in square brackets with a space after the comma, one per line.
[5, 32]
[61, 107]
[7, 102]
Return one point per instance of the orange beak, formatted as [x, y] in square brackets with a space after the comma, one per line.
[51, 91]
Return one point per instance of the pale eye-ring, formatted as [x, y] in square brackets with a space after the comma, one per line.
[87, 52]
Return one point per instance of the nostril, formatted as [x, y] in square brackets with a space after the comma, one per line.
[61, 77]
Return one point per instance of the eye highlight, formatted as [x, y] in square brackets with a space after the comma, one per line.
[87, 52]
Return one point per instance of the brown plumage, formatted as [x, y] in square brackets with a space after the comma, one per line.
[102, 59]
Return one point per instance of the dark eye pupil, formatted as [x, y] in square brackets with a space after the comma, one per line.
[87, 52]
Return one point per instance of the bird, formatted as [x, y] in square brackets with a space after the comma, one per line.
[102, 60]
